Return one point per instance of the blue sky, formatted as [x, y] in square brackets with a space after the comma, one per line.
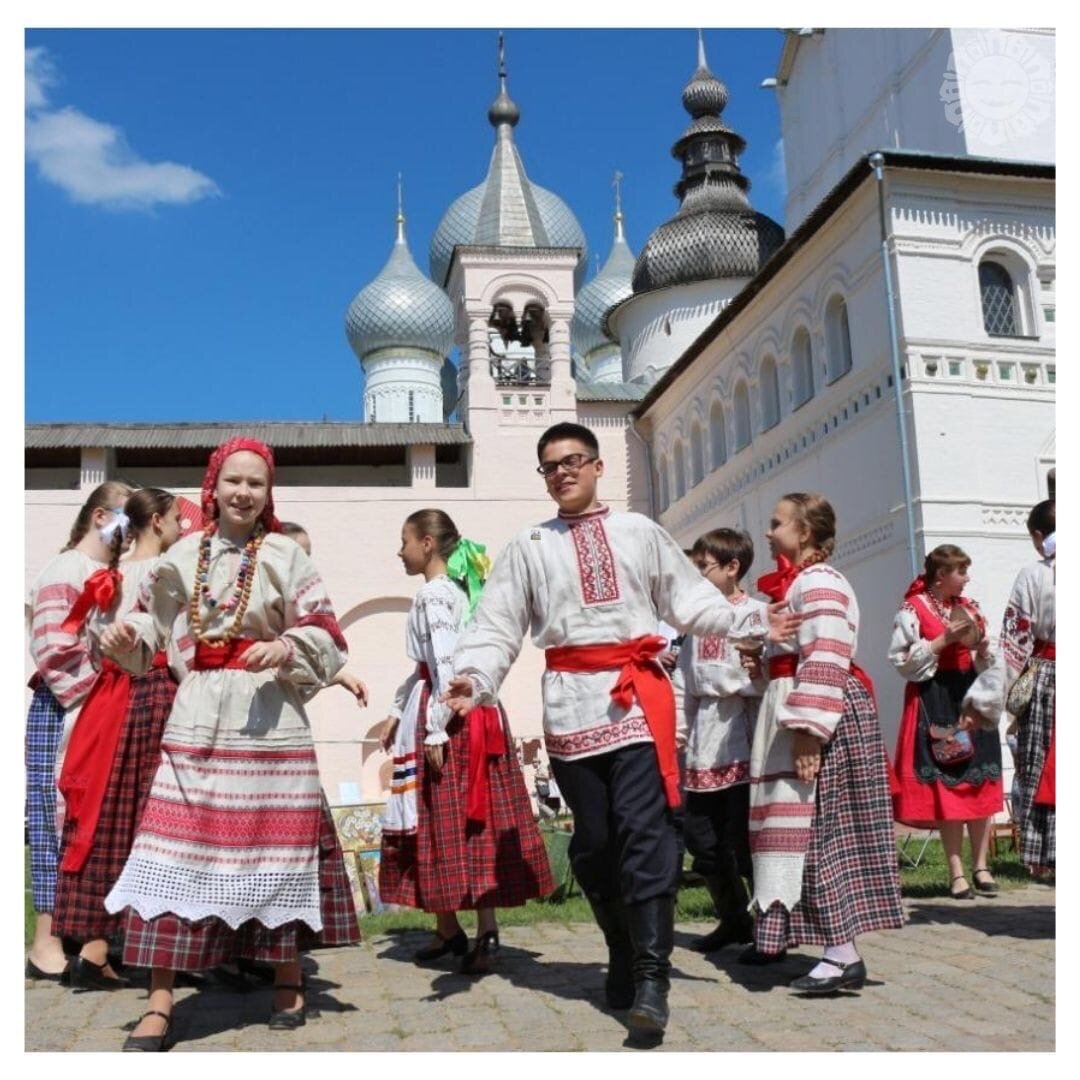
[201, 206]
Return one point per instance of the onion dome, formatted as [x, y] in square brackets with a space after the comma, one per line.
[609, 287]
[401, 308]
[715, 233]
[507, 209]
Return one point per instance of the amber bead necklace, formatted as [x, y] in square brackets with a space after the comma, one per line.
[241, 595]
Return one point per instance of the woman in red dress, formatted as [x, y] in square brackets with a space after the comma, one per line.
[939, 645]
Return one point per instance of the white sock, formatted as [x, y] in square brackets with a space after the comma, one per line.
[841, 954]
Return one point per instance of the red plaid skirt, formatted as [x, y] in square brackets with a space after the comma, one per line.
[178, 945]
[851, 883]
[451, 865]
[80, 912]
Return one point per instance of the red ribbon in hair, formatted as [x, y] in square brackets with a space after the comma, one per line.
[101, 590]
[642, 677]
[776, 583]
[916, 587]
[213, 471]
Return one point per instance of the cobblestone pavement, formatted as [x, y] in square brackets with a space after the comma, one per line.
[976, 975]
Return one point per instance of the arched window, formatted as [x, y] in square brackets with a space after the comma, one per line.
[680, 471]
[770, 394]
[742, 416]
[802, 368]
[664, 489]
[998, 299]
[717, 435]
[838, 334]
[697, 455]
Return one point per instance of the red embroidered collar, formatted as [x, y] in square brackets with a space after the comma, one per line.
[600, 511]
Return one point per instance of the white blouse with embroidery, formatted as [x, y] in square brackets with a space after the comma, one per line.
[600, 578]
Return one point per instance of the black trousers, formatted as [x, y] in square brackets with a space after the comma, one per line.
[627, 842]
[717, 830]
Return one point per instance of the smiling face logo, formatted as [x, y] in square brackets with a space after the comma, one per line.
[999, 86]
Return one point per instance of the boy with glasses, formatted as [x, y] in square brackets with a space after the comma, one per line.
[716, 706]
[592, 584]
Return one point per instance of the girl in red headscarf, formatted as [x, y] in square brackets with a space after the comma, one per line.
[939, 645]
[235, 855]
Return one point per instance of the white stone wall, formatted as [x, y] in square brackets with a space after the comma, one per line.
[851, 91]
[403, 387]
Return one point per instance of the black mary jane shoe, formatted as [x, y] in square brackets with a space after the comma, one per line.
[458, 945]
[480, 959]
[964, 894]
[85, 975]
[850, 977]
[752, 958]
[290, 1019]
[985, 888]
[34, 972]
[150, 1043]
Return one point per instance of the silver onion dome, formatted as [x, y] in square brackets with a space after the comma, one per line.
[715, 233]
[610, 286]
[401, 308]
[507, 209]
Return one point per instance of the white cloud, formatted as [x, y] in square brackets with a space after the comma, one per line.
[40, 74]
[91, 161]
[777, 176]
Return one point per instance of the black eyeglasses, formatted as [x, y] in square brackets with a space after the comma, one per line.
[571, 464]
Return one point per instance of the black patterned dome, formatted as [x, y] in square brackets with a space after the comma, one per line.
[716, 233]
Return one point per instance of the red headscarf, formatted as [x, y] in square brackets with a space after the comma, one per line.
[916, 587]
[213, 471]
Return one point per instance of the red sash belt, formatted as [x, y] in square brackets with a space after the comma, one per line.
[88, 762]
[641, 677]
[1045, 650]
[212, 658]
[486, 741]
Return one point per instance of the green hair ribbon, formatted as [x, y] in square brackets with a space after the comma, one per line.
[469, 565]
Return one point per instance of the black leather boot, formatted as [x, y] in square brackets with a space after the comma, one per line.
[730, 899]
[619, 984]
[652, 931]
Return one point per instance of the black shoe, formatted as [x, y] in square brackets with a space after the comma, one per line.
[752, 958]
[34, 972]
[985, 888]
[851, 977]
[652, 931]
[150, 1043]
[458, 945]
[290, 1019]
[480, 959]
[619, 983]
[965, 894]
[264, 973]
[85, 975]
[738, 933]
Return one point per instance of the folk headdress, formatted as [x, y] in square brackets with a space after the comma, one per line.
[213, 471]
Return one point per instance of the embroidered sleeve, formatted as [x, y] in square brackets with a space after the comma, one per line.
[686, 701]
[909, 651]
[161, 602]
[62, 659]
[826, 639]
[317, 648]
[753, 623]
[490, 643]
[439, 633]
[681, 595]
[1017, 628]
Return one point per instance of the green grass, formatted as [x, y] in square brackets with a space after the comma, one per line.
[928, 880]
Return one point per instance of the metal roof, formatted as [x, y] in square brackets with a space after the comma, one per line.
[612, 391]
[279, 434]
[859, 173]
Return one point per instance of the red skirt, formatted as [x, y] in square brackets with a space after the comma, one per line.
[922, 802]
[79, 911]
[450, 864]
[178, 945]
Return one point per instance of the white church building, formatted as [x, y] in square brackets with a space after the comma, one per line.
[727, 363]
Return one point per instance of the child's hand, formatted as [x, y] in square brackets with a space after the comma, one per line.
[354, 685]
[806, 755]
[434, 756]
[459, 695]
[389, 731]
[783, 622]
[120, 637]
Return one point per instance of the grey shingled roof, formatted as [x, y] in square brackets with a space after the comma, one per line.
[279, 434]
[612, 391]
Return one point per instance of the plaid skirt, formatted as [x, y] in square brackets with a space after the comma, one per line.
[1037, 823]
[451, 865]
[851, 884]
[179, 945]
[79, 911]
[44, 726]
